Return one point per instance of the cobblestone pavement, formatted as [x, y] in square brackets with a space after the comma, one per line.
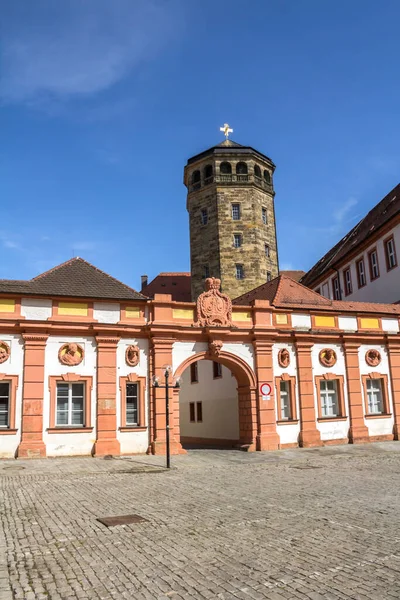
[296, 524]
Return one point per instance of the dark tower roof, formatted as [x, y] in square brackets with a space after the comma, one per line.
[229, 147]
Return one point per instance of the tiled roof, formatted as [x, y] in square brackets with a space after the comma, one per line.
[380, 215]
[283, 292]
[74, 278]
[296, 275]
[176, 284]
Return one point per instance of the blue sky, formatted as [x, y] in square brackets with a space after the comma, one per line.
[103, 102]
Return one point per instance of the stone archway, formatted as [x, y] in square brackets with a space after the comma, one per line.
[246, 393]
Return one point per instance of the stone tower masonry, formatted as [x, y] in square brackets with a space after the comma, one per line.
[230, 202]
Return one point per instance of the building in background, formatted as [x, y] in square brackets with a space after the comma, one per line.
[363, 265]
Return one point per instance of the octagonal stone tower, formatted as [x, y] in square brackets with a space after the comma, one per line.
[230, 202]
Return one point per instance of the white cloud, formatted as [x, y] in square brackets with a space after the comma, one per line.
[79, 49]
[342, 211]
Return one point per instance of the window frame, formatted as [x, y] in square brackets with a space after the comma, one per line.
[386, 242]
[336, 279]
[242, 271]
[206, 271]
[291, 381]
[240, 237]
[267, 251]
[359, 262]
[199, 411]
[348, 284]
[340, 396]
[70, 403]
[371, 275]
[217, 370]
[385, 395]
[269, 276]
[12, 380]
[264, 215]
[204, 213]
[194, 372]
[141, 384]
[70, 378]
[236, 204]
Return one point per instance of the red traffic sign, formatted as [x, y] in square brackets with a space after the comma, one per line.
[265, 389]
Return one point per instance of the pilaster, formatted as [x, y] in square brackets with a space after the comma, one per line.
[267, 435]
[393, 347]
[309, 434]
[106, 442]
[32, 445]
[358, 432]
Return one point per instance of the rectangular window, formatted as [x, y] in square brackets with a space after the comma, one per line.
[284, 392]
[336, 288]
[362, 280]
[374, 396]
[348, 288]
[4, 404]
[192, 414]
[204, 216]
[131, 416]
[390, 253]
[373, 265]
[329, 398]
[206, 271]
[269, 276]
[217, 370]
[194, 376]
[236, 212]
[237, 240]
[264, 215]
[266, 250]
[239, 272]
[70, 405]
[199, 412]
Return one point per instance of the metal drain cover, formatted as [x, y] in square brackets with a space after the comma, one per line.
[121, 520]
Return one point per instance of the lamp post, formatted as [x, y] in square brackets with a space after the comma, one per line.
[167, 386]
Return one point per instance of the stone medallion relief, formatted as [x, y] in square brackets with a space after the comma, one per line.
[213, 307]
[132, 355]
[327, 357]
[373, 357]
[284, 358]
[71, 354]
[215, 347]
[4, 352]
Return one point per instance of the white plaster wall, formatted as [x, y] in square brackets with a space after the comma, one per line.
[384, 289]
[377, 426]
[301, 321]
[244, 351]
[331, 430]
[13, 366]
[220, 403]
[106, 312]
[69, 444]
[183, 350]
[348, 323]
[390, 325]
[288, 434]
[36, 309]
[133, 442]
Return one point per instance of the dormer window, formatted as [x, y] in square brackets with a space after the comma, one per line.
[241, 168]
[257, 172]
[225, 168]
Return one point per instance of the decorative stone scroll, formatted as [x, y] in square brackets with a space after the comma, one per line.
[284, 358]
[215, 347]
[373, 357]
[327, 357]
[5, 352]
[71, 354]
[213, 307]
[132, 355]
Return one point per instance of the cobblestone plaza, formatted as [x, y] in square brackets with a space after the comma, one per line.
[315, 523]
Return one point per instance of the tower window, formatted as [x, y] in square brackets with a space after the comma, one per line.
[237, 240]
[269, 276]
[239, 272]
[236, 212]
[225, 168]
[241, 168]
[266, 248]
[264, 215]
[267, 176]
[257, 171]
[204, 216]
[208, 173]
[206, 271]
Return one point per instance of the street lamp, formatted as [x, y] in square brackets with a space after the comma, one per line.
[167, 386]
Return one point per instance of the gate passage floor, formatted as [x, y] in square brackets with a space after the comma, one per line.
[295, 524]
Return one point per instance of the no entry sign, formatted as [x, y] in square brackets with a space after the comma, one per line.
[265, 390]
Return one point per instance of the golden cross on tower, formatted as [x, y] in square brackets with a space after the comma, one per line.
[226, 129]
